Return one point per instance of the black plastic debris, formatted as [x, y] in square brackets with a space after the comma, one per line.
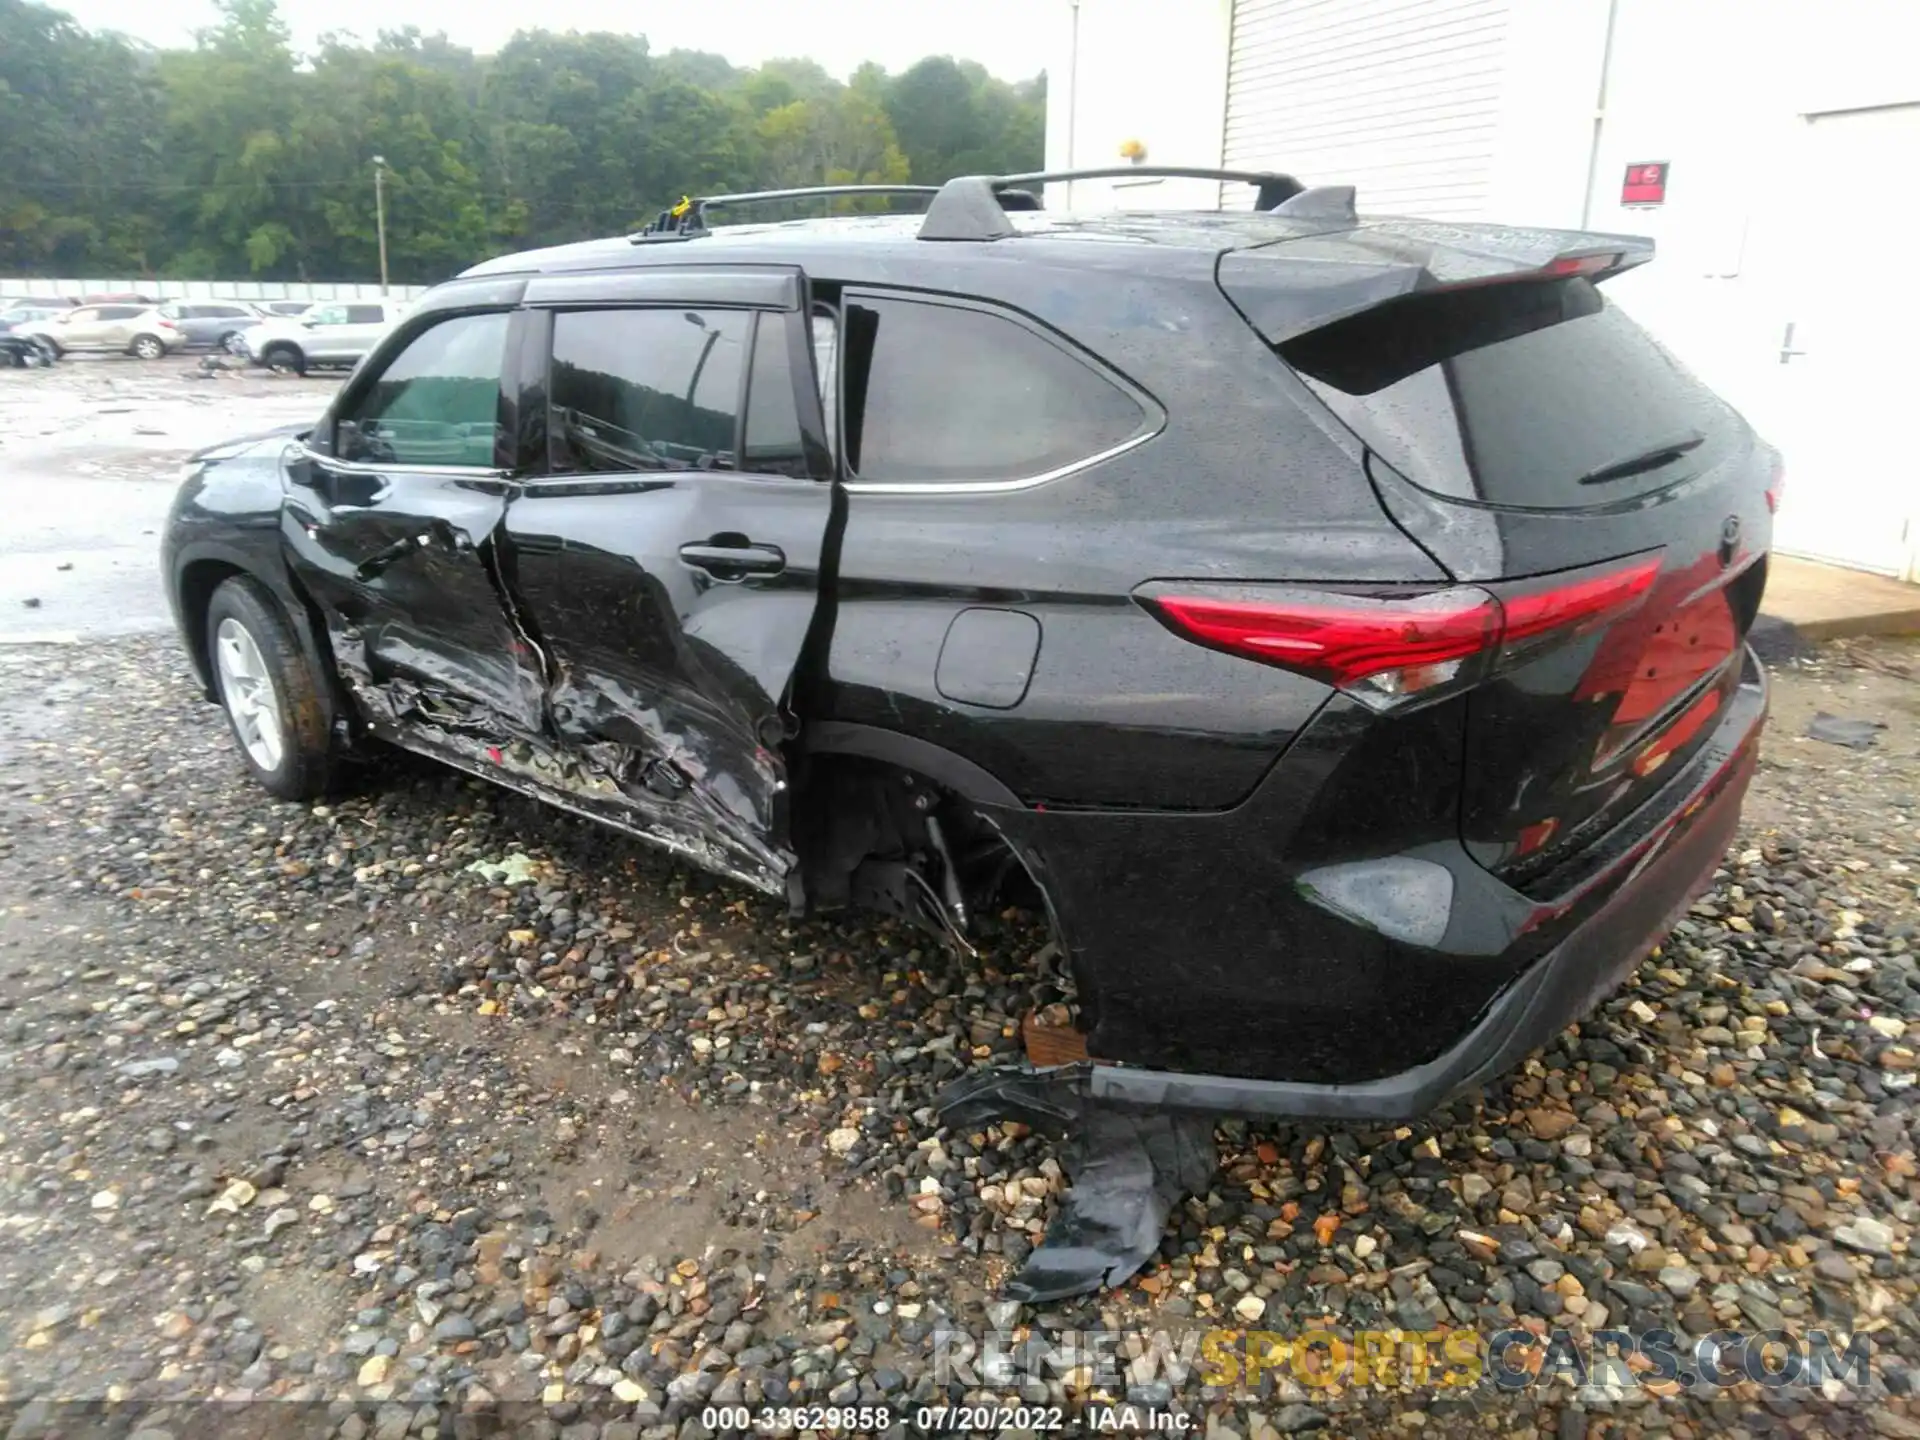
[1129, 1167]
[1837, 730]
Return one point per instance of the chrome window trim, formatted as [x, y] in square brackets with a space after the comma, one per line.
[1153, 413]
[471, 472]
[1000, 487]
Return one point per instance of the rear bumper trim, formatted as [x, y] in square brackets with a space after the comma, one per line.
[1558, 989]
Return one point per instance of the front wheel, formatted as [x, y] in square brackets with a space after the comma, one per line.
[147, 347]
[285, 360]
[270, 693]
[234, 343]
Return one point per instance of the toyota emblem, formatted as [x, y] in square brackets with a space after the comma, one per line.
[1729, 539]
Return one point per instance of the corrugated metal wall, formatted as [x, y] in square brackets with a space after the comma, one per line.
[1398, 97]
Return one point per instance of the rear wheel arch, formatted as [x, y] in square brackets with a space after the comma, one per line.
[953, 772]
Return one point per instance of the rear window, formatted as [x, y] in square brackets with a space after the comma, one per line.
[1539, 394]
[939, 393]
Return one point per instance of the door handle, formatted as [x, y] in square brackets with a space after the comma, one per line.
[1787, 352]
[736, 561]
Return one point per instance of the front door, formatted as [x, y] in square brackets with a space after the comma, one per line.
[82, 329]
[1845, 365]
[669, 561]
[391, 519]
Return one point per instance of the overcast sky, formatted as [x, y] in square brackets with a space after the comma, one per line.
[1000, 34]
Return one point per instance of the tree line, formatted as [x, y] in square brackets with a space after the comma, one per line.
[239, 158]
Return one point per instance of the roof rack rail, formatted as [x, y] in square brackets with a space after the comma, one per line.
[689, 217]
[971, 207]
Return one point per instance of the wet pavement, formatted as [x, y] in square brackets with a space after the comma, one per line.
[90, 452]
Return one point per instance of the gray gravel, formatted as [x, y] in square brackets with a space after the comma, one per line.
[430, 1094]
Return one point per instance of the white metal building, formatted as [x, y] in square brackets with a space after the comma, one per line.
[1784, 197]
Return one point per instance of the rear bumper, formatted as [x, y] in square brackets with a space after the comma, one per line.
[1596, 935]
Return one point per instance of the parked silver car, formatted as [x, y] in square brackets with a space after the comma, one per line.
[140, 330]
[333, 332]
[213, 324]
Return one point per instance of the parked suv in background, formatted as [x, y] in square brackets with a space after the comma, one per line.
[213, 324]
[1335, 625]
[332, 332]
[139, 330]
[25, 312]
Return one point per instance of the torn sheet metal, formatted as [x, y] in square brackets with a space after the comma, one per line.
[1128, 1167]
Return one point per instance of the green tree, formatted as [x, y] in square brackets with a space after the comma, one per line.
[239, 157]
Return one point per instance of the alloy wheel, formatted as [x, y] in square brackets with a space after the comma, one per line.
[248, 690]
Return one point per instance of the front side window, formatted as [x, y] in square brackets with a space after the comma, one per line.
[437, 402]
[326, 315]
[646, 389]
[940, 393]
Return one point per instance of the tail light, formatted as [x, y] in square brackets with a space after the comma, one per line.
[1385, 649]
[1776, 485]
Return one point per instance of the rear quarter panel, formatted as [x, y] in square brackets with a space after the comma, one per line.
[1240, 484]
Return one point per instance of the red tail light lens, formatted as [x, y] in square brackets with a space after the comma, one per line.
[1776, 486]
[1386, 649]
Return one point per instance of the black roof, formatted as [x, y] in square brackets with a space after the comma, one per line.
[1148, 239]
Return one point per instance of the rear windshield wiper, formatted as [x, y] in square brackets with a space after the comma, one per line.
[1650, 460]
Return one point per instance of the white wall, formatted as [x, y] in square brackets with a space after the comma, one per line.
[207, 289]
[1720, 89]
[1148, 70]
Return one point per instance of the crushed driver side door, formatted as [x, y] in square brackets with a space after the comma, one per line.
[390, 519]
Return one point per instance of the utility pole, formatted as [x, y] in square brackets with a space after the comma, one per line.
[380, 213]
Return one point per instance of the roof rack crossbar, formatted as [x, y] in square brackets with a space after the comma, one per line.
[961, 210]
[690, 216]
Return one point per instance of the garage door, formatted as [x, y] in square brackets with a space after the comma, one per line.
[1398, 97]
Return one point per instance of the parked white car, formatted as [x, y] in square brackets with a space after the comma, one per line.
[333, 332]
[139, 330]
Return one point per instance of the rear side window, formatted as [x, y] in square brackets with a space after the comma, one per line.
[1539, 394]
[939, 393]
[121, 312]
[646, 389]
[365, 314]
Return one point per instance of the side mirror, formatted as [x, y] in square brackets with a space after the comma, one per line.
[308, 324]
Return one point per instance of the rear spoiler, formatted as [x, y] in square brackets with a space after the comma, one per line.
[1290, 287]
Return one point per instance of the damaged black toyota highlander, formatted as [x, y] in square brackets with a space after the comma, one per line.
[1337, 624]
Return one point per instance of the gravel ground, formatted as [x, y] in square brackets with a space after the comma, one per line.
[430, 1094]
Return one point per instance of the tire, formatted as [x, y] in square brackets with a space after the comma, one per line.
[269, 691]
[147, 347]
[234, 343]
[284, 360]
[50, 350]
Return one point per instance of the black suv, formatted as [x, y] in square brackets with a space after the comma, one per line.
[1336, 623]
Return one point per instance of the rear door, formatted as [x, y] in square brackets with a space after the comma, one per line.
[391, 520]
[669, 561]
[119, 325]
[1531, 435]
